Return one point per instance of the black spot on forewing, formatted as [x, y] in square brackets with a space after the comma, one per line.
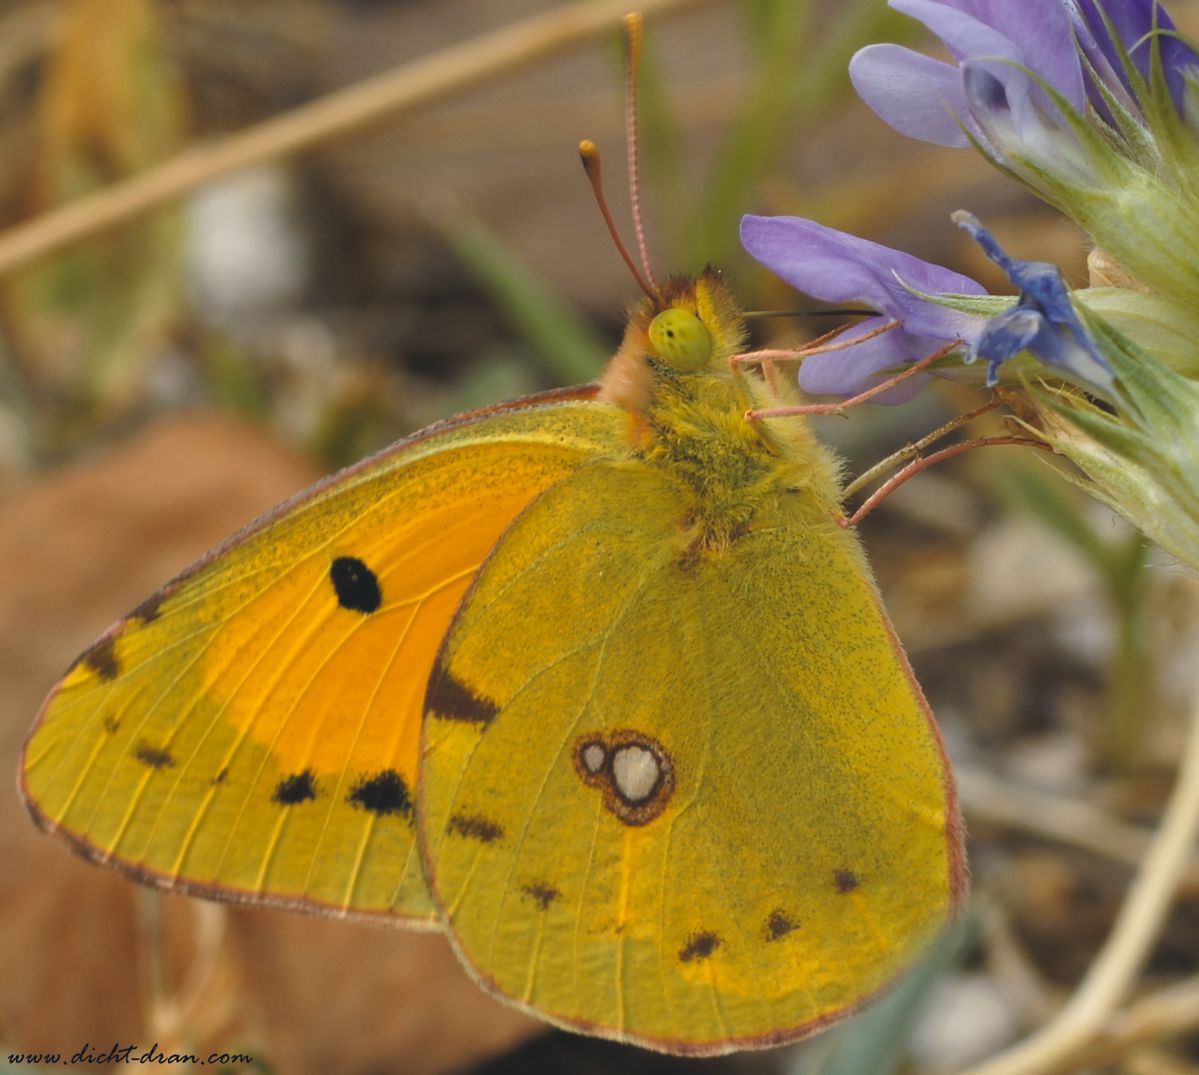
[846, 881]
[153, 756]
[699, 946]
[355, 585]
[220, 777]
[450, 699]
[147, 611]
[383, 793]
[297, 788]
[102, 659]
[112, 725]
[475, 827]
[779, 924]
[541, 894]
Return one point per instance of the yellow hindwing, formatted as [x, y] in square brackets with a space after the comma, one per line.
[703, 804]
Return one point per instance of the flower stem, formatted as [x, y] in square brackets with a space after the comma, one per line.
[1086, 1018]
[1130, 679]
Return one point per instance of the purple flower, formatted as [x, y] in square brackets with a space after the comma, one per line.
[984, 92]
[988, 92]
[837, 267]
[1042, 322]
[1134, 23]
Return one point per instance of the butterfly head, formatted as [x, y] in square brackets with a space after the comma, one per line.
[694, 325]
[689, 328]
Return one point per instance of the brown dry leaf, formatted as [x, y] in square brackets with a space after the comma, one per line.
[300, 994]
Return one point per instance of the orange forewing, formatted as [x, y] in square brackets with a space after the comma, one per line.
[251, 731]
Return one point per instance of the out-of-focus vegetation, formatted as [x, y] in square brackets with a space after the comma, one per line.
[453, 259]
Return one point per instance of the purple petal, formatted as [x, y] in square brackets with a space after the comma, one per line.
[848, 372]
[1040, 282]
[1025, 328]
[1003, 111]
[973, 227]
[920, 97]
[1035, 33]
[1103, 72]
[1014, 114]
[838, 267]
[917, 95]
[1006, 335]
[1078, 355]
[1043, 321]
[1134, 22]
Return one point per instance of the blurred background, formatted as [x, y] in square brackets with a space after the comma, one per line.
[166, 379]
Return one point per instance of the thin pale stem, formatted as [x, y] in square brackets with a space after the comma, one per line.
[1064, 820]
[1086, 1022]
[342, 112]
[1162, 1015]
[201, 997]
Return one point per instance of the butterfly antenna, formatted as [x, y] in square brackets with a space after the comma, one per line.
[633, 27]
[590, 156]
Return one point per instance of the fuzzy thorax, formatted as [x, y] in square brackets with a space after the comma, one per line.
[687, 416]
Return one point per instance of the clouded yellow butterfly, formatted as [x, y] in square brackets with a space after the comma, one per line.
[592, 680]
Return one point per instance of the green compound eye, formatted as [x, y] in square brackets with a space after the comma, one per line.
[679, 337]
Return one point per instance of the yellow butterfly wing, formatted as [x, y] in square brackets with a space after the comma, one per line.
[701, 805]
[252, 732]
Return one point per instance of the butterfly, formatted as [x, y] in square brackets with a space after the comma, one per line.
[593, 681]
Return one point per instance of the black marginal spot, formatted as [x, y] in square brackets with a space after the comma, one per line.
[541, 894]
[102, 659]
[450, 699]
[147, 611]
[355, 584]
[846, 881]
[297, 788]
[779, 924]
[475, 827]
[699, 946]
[154, 757]
[383, 794]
